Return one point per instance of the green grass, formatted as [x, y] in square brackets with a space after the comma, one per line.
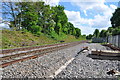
[15, 39]
[103, 43]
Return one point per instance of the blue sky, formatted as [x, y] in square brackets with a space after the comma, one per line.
[87, 15]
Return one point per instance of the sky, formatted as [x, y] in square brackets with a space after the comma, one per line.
[87, 15]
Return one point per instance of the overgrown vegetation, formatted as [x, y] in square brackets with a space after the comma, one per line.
[15, 39]
[35, 23]
[38, 18]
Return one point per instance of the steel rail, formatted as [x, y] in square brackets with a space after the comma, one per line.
[39, 53]
[7, 51]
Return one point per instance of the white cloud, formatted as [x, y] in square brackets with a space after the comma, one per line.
[87, 4]
[88, 25]
[70, 15]
[52, 2]
[0, 20]
[85, 13]
[75, 18]
[2, 25]
[100, 21]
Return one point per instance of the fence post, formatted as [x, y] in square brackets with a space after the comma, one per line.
[119, 41]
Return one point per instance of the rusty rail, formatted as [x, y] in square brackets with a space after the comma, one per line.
[6, 51]
[41, 53]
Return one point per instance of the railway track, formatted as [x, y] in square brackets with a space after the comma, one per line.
[11, 56]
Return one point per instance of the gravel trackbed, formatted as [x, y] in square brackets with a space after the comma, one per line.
[83, 66]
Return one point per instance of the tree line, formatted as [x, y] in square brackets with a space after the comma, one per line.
[111, 31]
[38, 18]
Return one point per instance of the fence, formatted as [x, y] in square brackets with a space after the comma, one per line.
[115, 40]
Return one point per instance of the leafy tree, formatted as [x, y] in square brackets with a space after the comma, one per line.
[36, 17]
[35, 29]
[59, 17]
[71, 29]
[78, 32]
[58, 28]
[116, 31]
[89, 36]
[65, 29]
[51, 26]
[110, 30]
[59, 14]
[47, 19]
[30, 17]
[103, 33]
[96, 33]
[115, 19]
[9, 12]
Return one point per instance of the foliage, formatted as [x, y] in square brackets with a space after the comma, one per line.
[116, 31]
[103, 33]
[14, 39]
[78, 32]
[115, 19]
[89, 36]
[58, 28]
[96, 33]
[39, 18]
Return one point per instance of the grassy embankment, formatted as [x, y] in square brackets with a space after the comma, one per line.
[15, 39]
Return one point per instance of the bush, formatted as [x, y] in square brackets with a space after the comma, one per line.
[24, 30]
[35, 29]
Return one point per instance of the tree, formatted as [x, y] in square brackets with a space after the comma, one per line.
[78, 32]
[115, 19]
[29, 17]
[113, 31]
[37, 17]
[58, 28]
[47, 19]
[9, 12]
[89, 36]
[110, 30]
[59, 17]
[71, 29]
[116, 31]
[96, 33]
[103, 33]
